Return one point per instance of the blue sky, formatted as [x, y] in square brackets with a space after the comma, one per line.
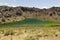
[31, 3]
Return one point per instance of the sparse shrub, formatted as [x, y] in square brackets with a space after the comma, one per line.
[3, 20]
[8, 33]
[56, 35]
[50, 14]
[39, 35]
[18, 13]
[32, 38]
[45, 35]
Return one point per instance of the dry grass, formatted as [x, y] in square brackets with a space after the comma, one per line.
[30, 33]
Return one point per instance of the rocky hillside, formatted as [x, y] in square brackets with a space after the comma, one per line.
[11, 14]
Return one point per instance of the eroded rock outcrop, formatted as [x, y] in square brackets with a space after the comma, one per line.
[11, 14]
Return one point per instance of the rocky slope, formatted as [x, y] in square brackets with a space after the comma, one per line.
[11, 14]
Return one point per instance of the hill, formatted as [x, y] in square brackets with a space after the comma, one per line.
[12, 14]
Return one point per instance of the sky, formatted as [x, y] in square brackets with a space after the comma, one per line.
[31, 3]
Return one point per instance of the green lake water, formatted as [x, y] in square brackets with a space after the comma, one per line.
[29, 23]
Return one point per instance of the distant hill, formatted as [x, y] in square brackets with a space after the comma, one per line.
[12, 14]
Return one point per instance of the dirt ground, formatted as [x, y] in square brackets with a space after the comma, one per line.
[37, 33]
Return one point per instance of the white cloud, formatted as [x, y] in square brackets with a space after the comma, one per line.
[44, 7]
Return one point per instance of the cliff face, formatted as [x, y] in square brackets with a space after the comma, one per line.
[11, 14]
